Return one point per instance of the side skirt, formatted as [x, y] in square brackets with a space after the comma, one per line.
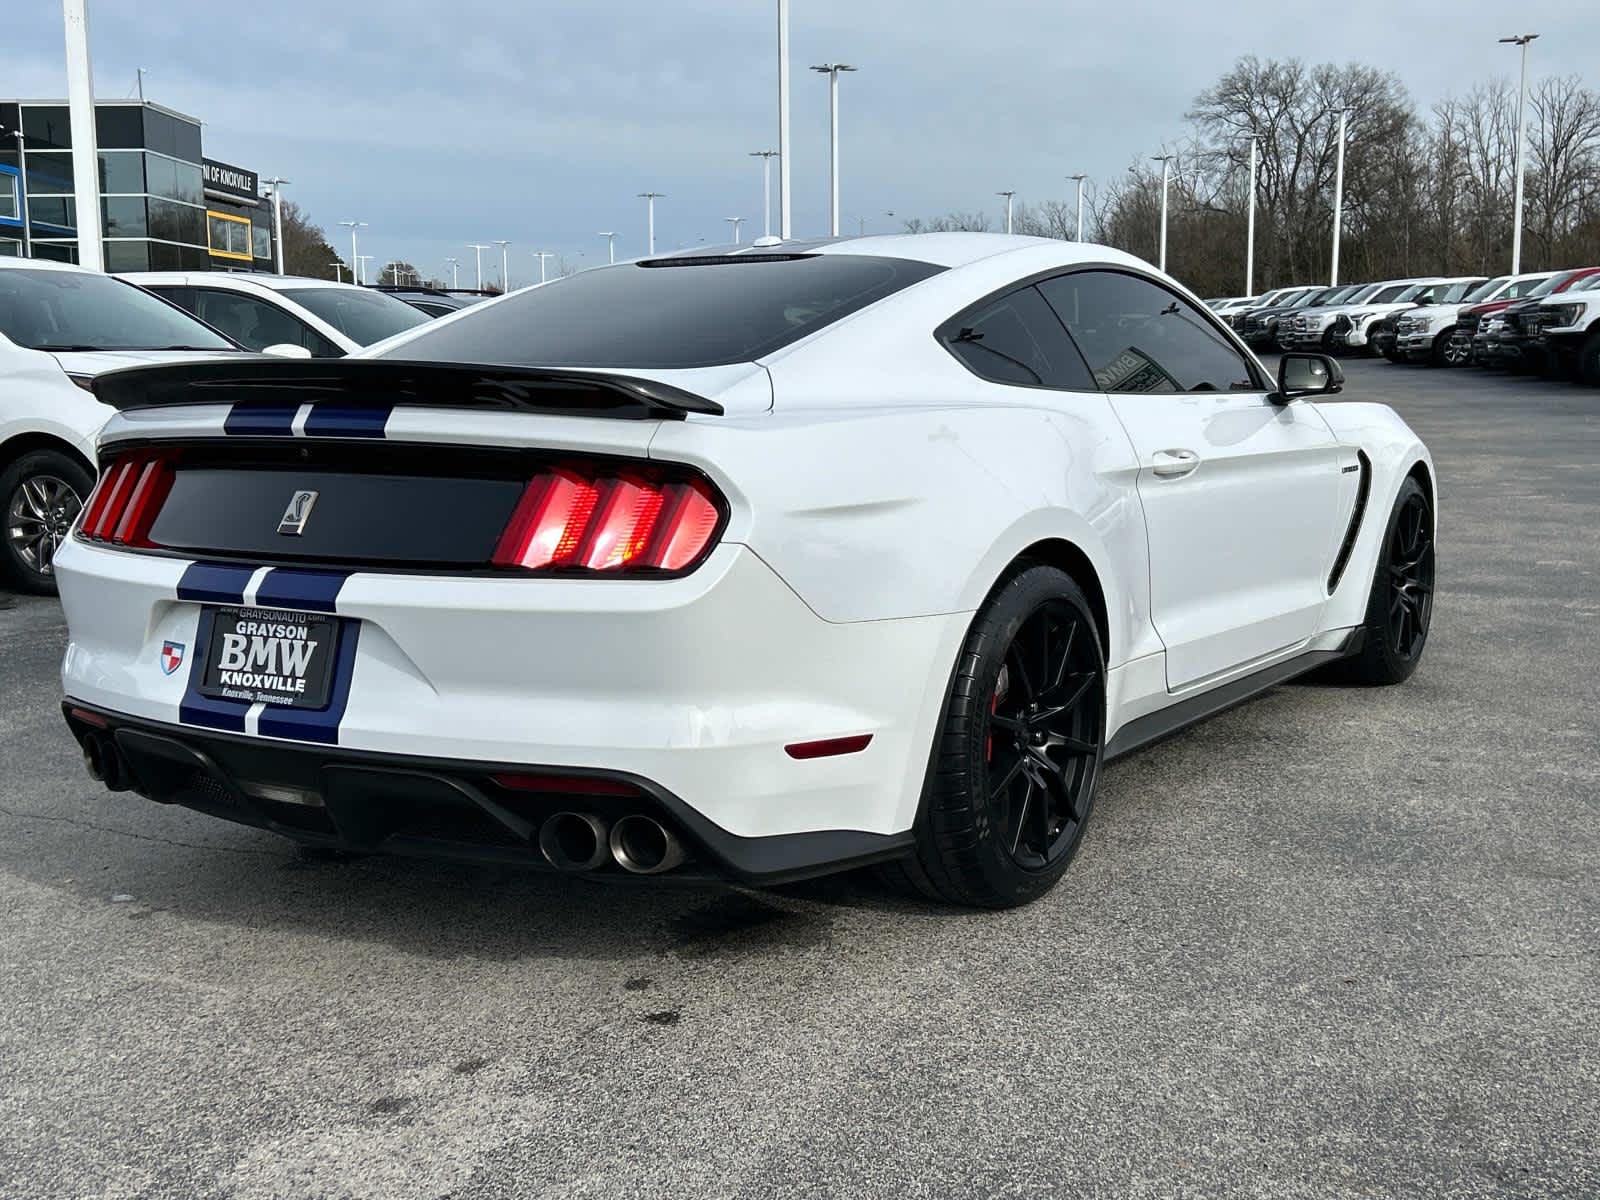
[1154, 727]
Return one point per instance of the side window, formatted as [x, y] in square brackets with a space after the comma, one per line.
[1139, 337]
[251, 322]
[181, 296]
[1017, 339]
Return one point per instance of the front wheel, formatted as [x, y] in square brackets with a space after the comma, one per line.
[41, 494]
[1400, 604]
[1589, 360]
[1017, 756]
[1452, 348]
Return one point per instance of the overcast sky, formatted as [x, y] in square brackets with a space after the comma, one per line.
[444, 123]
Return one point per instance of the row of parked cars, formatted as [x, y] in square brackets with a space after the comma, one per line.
[1542, 321]
[60, 326]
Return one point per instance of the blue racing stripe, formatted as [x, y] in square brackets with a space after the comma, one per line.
[214, 583]
[196, 709]
[318, 725]
[348, 420]
[261, 420]
[314, 591]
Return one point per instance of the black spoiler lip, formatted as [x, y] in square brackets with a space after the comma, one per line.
[385, 381]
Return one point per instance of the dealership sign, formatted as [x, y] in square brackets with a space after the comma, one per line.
[223, 177]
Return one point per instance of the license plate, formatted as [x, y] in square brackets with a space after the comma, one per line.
[271, 656]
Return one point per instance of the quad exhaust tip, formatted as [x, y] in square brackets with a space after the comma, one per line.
[645, 846]
[103, 761]
[574, 841]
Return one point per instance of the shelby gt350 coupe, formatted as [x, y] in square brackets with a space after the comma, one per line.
[755, 565]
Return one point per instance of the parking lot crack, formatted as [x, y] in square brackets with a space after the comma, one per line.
[127, 833]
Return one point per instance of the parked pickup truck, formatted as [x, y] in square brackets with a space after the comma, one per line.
[1508, 339]
[1428, 332]
[1259, 326]
[1470, 321]
[1309, 326]
[1568, 330]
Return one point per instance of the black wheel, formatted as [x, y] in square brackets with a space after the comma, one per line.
[1589, 360]
[1400, 606]
[1012, 778]
[1452, 348]
[40, 496]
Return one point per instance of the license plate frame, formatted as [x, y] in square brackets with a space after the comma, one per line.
[268, 667]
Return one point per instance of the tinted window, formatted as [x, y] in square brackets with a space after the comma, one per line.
[254, 323]
[697, 313]
[1484, 290]
[1017, 339]
[1138, 337]
[46, 310]
[1390, 294]
[364, 317]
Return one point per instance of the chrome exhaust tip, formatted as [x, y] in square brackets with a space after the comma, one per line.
[94, 758]
[645, 846]
[573, 841]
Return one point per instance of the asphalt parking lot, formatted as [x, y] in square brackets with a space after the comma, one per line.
[1334, 943]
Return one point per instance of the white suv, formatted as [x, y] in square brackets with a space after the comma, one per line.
[328, 320]
[60, 326]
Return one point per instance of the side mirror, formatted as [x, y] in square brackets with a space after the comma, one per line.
[1307, 375]
[287, 350]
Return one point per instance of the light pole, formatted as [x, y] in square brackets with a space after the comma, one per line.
[735, 222]
[361, 269]
[1079, 179]
[785, 206]
[611, 244]
[1166, 170]
[80, 120]
[477, 249]
[1522, 39]
[650, 199]
[277, 220]
[338, 271]
[831, 70]
[505, 276]
[1008, 196]
[1338, 200]
[453, 264]
[766, 157]
[355, 261]
[1250, 227]
[541, 255]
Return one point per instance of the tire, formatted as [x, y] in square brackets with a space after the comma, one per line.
[1400, 602]
[1451, 348]
[40, 496]
[1589, 360]
[1011, 779]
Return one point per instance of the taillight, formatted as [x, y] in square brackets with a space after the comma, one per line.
[128, 498]
[586, 517]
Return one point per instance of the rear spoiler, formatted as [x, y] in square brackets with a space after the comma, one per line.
[387, 382]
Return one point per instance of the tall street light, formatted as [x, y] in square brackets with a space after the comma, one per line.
[80, 120]
[1522, 39]
[338, 271]
[1079, 179]
[1166, 173]
[355, 264]
[766, 157]
[361, 269]
[831, 70]
[650, 199]
[735, 222]
[1008, 196]
[785, 205]
[505, 276]
[611, 244]
[1250, 226]
[477, 249]
[541, 255]
[1338, 199]
[454, 264]
[277, 219]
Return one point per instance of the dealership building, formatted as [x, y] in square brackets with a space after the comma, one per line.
[163, 204]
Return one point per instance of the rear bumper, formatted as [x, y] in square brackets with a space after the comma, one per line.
[696, 684]
[436, 808]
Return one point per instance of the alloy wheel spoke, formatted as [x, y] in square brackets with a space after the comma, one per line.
[1008, 778]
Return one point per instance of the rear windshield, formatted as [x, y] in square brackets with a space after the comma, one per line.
[363, 317]
[669, 313]
[72, 310]
[1484, 290]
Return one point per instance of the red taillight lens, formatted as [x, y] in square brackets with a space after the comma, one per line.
[127, 500]
[584, 517]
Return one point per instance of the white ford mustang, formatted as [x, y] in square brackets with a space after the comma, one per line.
[755, 565]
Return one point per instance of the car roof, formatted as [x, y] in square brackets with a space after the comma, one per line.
[225, 279]
[39, 264]
[936, 249]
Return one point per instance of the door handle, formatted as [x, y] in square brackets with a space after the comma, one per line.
[1172, 464]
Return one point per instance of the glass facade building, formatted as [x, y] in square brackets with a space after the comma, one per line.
[157, 209]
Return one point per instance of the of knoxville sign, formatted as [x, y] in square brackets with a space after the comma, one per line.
[223, 177]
